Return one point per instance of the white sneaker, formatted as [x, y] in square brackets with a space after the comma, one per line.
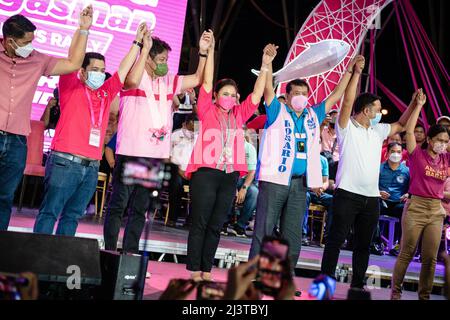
[148, 275]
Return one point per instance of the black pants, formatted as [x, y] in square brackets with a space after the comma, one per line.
[175, 193]
[118, 203]
[361, 212]
[212, 193]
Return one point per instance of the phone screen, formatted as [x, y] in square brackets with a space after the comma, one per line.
[272, 265]
[211, 290]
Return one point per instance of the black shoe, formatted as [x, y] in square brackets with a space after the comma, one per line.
[237, 231]
[377, 249]
[305, 242]
[224, 231]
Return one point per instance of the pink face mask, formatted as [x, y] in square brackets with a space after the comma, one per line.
[299, 103]
[227, 102]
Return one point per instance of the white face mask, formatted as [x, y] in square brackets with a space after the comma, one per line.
[24, 51]
[395, 157]
[440, 147]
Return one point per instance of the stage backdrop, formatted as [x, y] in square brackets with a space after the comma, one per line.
[112, 33]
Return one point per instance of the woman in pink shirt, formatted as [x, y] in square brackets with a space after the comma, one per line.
[423, 213]
[217, 161]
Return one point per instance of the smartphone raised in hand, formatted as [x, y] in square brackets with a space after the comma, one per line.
[273, 265]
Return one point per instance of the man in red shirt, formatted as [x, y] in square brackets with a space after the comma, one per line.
[21, 67]
[71, 172]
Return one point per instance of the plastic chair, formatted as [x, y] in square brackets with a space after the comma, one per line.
[35, 154]
[102, 185]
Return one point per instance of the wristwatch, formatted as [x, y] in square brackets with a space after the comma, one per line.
[244, 187]
[139, 44]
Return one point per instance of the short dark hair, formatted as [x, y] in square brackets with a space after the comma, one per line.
[225, 82]
[393, 144]
[433, 131]
[91, 55]
[16, 26]
[107, 75]
[364, 100]
[296, 82]
[159, 46]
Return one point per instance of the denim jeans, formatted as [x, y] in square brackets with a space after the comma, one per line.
[249, 206]
[13, 156]
[68, 188]
[325, 200]
[282, 203]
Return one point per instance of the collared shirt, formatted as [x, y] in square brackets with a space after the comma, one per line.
[299, 167]
[329, 141]
[359, 157]
[74, 127]
[395, 182]
[19, 78]
[250, 156]
[112, 144]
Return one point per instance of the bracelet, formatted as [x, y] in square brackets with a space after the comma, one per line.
[203, 55]
[139, 44]
[84, 32]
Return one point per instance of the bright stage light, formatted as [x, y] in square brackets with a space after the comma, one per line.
[384, 112]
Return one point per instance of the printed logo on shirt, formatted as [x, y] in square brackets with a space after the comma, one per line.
[311, 124]
[438, 174]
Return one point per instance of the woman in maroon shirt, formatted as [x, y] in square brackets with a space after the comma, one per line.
[217, 161]
[423, 213]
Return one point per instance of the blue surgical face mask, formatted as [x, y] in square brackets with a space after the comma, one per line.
[376, 120]
[95, 79]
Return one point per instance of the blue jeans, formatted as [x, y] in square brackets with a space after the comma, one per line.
[68, 189]
[13, 156]
[249, 203]
[325, 200]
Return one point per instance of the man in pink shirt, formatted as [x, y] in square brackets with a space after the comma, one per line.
[71, 172]
[20, 70]
[144, 131]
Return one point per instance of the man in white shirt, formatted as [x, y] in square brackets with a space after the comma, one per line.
[183, 141]
[356, 199]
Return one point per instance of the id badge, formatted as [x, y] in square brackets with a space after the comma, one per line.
[94, 137]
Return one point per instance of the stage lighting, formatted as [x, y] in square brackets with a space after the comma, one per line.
[384, 112]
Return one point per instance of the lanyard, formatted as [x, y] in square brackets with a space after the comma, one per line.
[97, 124]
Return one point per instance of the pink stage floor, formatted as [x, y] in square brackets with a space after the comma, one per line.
[172, 241]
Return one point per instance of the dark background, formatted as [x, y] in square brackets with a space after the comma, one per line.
[251, 24]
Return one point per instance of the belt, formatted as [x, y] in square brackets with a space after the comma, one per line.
[4, 133]
[298, 177]
[71, 157]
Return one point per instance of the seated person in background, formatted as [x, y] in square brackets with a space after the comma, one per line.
[330, 148]
[110, 151]
[397, 139]
[182, 145]
[420, 134]
[322, 198]
[184, 105]
[394, 182]
[247, 191]
[257, 123]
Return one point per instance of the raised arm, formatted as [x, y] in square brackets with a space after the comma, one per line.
[350, 93]
[194, 80]
[134, 77]
[77, 48]
[142, 35]
[338, 92]
[269, 92]
[270, 52]
[419, 101]
[208, 75]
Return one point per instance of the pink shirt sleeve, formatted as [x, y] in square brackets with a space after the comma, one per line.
[204, 102]
[247, 108]
[177, 84]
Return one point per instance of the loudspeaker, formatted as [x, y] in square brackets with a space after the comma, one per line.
[66, 267]
[123, 276]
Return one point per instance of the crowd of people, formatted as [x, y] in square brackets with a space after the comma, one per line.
[305, 154]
